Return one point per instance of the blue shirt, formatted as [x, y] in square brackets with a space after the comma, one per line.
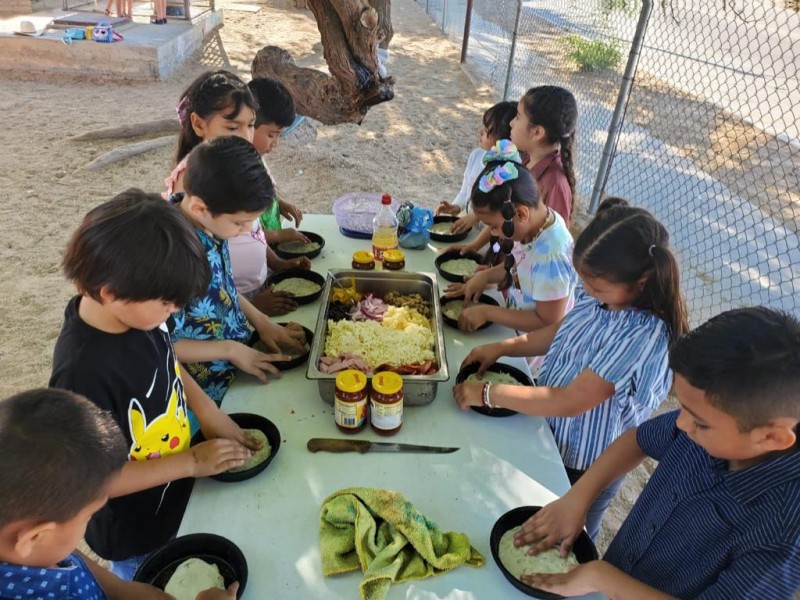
[700, 531]
[215, 316]
[70, 580]
[625, 347]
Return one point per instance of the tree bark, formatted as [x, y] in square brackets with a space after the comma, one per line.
[385, 30]
[349, 31]
[128, 131]
[128, 151]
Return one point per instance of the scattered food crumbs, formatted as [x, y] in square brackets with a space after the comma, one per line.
[291, 412]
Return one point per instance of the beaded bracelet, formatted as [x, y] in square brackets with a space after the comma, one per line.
[485, 396]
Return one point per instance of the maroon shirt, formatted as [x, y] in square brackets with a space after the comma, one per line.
[553, 184]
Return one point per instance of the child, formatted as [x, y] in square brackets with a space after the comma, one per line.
[496, 126]
[135, 260]
[544, 129]
[227, 188]
[161, 12]
[49, 494]
[605, 368]
[506, 200]
[719, 516]
[218, 103]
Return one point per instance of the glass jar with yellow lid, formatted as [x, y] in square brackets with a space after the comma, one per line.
[350, 401]
[363, 260]
[386, 402]
[394, 260]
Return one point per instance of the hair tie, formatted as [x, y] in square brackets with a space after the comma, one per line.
[503, 150]
[652, 250]
[498, 176]
[182, 109]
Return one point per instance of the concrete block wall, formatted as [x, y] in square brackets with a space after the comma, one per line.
[15, 7]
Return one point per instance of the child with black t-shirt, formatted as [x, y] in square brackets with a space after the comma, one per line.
[135, 260]
[49, 495]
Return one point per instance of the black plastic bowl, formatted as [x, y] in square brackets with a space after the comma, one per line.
[583, 548]
[516, 373]
[302, 274]
[484, 299]
[448, 237]
[452, 255]
[213, 549]
[285, 365]
[249, 421]
[314, 237]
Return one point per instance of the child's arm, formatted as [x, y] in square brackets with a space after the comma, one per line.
[274, 336]
[476, 283]
[277, 264]
[479, 242]
[289, 211]
[534, 343]
[241, 355]
[544, 313]
[284, 235]
[119, 589]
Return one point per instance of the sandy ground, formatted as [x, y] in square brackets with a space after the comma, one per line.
[414, 147]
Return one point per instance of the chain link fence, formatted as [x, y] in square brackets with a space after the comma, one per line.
[708, 138]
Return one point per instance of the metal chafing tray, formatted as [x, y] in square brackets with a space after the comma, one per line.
[418, 389]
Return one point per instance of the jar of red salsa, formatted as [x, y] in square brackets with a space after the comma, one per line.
[363, 260]
[386, 402]
[350, 401]
[394, 260]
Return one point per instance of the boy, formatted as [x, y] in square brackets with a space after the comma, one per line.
[275, 113]
[720, 516]
[227, 188]
[59, 455]
[134, 261]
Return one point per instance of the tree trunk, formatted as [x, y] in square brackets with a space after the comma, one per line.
[349, 31]
[385, 30]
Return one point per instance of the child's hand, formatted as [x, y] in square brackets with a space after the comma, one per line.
[256, 363]
[217, 424]
[485, 356]
[557, 524]
[472, 318]
[447, 208]
[580, 580]
[290, 211]
[465, 223]
[274, 304]
[454, 290]
[218, 594]
[474, 286]
[283, 264]
[276, 337]
[217, 456]
[469, 393]
[292, 235]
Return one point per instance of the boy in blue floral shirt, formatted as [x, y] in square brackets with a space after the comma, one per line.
[58, 455]
[720, 516]
[227, 188]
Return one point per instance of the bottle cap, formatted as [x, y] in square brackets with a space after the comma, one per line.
[351, 381]
[393, 255]
[387, 383]
[363, 257]
[386, 199]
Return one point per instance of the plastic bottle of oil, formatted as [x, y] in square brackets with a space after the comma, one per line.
[384, 229]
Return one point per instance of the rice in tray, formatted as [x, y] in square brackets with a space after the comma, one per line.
[404, 338]
[297, 286]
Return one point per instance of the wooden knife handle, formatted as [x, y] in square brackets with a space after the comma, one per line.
[331, 445]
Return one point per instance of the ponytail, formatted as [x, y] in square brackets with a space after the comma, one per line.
[567, 162]
[624, 244]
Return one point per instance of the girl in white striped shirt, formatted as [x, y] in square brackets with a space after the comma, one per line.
[605, 368]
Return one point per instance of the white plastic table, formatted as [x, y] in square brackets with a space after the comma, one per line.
[502, 463]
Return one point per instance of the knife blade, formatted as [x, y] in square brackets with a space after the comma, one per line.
[362, 446]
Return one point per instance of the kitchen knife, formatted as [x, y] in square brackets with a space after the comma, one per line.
[362, 446]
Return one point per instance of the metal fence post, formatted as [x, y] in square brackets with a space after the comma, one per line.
[467, 25]
[444, 18]
[615, 127]
[513, 50]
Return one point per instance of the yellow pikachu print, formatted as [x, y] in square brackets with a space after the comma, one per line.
[167, 434]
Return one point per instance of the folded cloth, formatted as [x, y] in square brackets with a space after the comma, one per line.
[382, 533]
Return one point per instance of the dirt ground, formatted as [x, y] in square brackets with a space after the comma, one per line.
[414, 147]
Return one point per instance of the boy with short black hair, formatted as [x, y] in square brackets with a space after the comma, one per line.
[134, 261]
[58, 455]
[227, 188]
[720, 516]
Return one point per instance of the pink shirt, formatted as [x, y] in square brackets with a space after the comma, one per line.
[553, 185]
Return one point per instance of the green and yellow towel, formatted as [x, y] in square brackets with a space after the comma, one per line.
[382, 533]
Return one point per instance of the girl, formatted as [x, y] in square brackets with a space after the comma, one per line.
[496, 126]
[544, 129]
[216, 104]
[605, 368]
[540, 276]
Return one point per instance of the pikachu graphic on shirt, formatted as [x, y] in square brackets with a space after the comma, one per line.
[167, 433]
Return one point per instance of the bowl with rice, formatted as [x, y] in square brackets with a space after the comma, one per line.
[441, 230]
[455, 266]
[452, 307]
[305, 286]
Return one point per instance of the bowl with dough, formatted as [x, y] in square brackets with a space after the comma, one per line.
[296, 248]
[497, 373]
[452, 307]
[264, 430]
[454, 266]
[192, 563]
[305, 286]
[440, 230]
[515, 561]
[295, 360]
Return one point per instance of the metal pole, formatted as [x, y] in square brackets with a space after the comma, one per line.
[444, 18]
[617, 119]
[513, 50]
[428, 6]
[467, 25]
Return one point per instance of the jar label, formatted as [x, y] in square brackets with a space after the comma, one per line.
[386, 416]
[350, 414]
